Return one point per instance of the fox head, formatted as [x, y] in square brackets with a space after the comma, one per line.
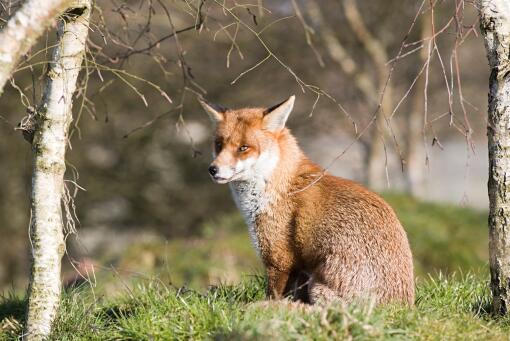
[246, 143]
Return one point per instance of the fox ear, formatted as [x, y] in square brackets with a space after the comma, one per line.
[276, 116]
[215, 112]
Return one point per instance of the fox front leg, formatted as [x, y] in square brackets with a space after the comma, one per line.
[276, 283]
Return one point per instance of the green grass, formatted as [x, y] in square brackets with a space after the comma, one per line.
[137, 295]
[447, 308]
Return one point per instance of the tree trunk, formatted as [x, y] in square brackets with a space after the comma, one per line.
[415, 153]
[375, 159]
[376, 155]
[23, 29]
[495, 26]
[49, 146]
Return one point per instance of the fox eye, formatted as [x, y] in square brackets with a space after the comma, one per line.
[218, 145]
[243, 148]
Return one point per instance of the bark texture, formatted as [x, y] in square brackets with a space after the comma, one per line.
[23, 29]
[495, 26]
[49, 146]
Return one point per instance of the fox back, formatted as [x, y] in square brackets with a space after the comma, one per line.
[320, 237]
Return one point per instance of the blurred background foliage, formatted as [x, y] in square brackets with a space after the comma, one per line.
[148, 206]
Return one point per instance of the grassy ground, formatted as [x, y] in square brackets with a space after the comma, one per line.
[137, 295]
[447, 308]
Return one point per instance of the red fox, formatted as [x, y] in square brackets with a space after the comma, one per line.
[320, 237]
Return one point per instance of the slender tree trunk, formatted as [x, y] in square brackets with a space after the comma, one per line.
[369, 86]
[23, 29]
[339, 54]
[495, 26]
[376, 156]
[49, 147]
[415, 174]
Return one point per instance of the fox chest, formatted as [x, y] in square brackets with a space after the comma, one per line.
[255, 205]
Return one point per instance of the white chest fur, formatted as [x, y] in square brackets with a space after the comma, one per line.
[251, 200]
[250, 192]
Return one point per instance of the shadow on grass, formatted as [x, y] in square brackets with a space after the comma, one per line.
[484, 310]
[117, 312]
[13, 306]
[12, 314]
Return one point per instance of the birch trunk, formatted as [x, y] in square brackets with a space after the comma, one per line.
[415, 175]
[375, 158]
[495, 27]
[49, 147]
[23, 29]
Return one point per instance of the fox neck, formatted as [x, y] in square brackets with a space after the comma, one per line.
[261, 193]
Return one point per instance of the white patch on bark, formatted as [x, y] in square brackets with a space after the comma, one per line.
[495, 26]
[49, 147]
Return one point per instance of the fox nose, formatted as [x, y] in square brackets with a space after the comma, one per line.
[213, 170]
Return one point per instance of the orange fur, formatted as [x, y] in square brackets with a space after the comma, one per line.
[320, 237]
